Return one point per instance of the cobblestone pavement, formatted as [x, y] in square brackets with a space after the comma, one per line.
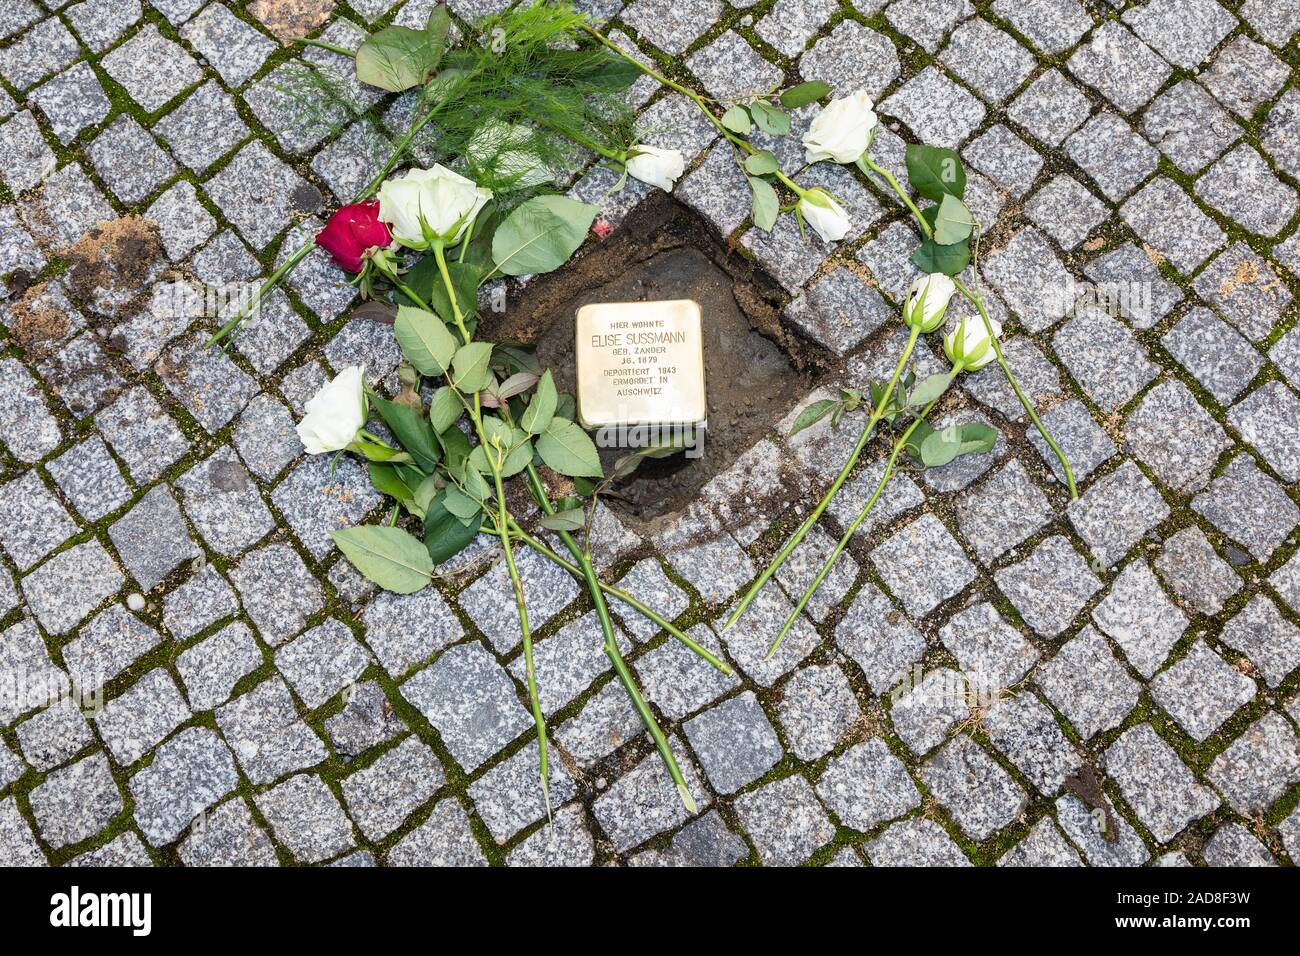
[262, 706]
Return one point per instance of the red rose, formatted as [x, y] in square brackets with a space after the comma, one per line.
[352, 232]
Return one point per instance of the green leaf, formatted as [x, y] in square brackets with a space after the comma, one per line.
[953, 222]
[613, 75]
[374, 310]
[397, 58]
[930, 389]
[476, 487]
[570, 519]
[950, 260]
[390, 557]
[444, 409]
[930, 214]
[469, 367]
[518, 455]
[937, 450]
[769, 119]
[424, 340]
[804, 93]
[464, 280]
[567, 449]
[446, 84]
[737, 120]
[421, 278]
[479, 251]
[541, 409]
[566, 406]
[446, 534]
[436, 30]
[541, 234]
[761, 163]
[514, 442]
[669, 447]
[496, 430]
[521, 454]
[460, 504]
[424, 493]
[766, 205]
[977, 438]
[935, 172]
[514, 357]
[516, 384]
[813, 414]
[389, 480]
[455, 448]
[891, 409]
[920, 432]
[626, 465]
[412, 431]
[940, 447]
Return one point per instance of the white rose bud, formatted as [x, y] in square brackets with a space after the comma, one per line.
[927, 301]
[969, 344]
[428, 205]
[335, 413]
[824, 214]
[658, 167]
[842, 131]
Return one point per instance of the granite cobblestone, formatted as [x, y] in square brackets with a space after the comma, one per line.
[164, 540]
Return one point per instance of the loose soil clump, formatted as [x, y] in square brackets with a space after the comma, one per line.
[114, 262]
[290, 20]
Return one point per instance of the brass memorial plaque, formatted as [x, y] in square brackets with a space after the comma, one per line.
[640, 363]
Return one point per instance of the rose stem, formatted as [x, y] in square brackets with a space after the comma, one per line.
[332, 47]
[848, 533]
[611, 645]
[495, 463]
[978, 301]
[263, 291]
[538, 718]
[439, 255]
[626, 598]
[867, 431]
[1028, 405]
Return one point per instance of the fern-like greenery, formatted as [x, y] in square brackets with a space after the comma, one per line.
[521, 100]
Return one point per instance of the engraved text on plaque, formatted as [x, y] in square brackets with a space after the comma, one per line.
[640, 363]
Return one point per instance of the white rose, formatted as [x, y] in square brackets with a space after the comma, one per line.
[969, 345]
[927, 300]
[824, 214]
[841, 131]
[428, 204]
[335, 414]
[658, 167]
